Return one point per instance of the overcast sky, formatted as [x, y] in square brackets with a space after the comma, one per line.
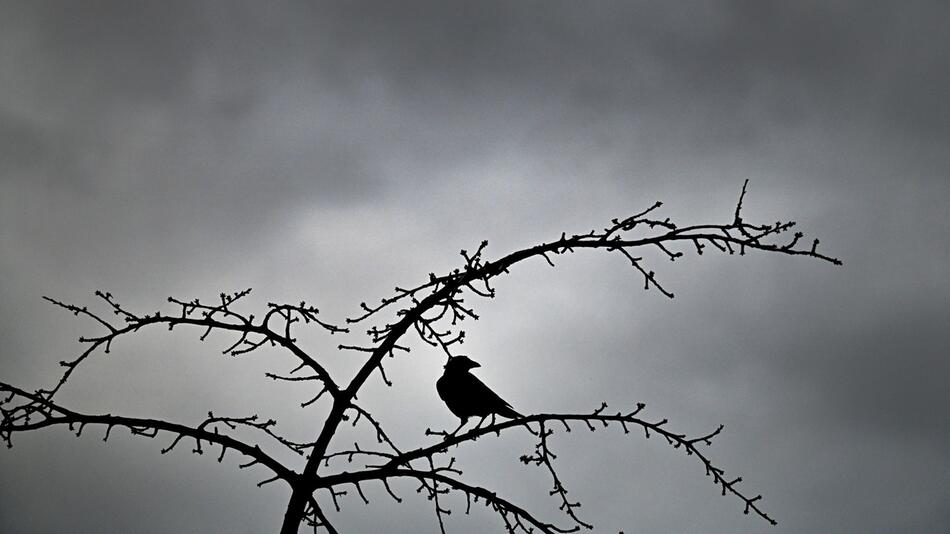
[329, 152]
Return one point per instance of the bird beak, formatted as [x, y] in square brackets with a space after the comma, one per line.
[476, 364]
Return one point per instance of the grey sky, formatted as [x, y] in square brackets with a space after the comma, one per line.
[332, 151]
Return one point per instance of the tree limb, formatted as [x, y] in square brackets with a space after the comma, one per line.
[18, 419]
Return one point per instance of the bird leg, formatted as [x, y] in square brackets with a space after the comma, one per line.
[454, 432]
[480, 421]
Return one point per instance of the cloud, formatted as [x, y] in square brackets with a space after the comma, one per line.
[332, 151]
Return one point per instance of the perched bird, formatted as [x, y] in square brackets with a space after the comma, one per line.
[466, 395]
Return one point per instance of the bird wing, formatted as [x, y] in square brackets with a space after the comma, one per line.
[466, 396]
[490, 400]
[453, 396]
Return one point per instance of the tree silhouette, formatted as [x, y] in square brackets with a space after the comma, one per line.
[433, 310]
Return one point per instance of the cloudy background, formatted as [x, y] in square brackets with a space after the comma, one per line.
[329, 152]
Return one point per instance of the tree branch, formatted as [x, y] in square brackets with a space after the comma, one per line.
[194, 313]
[625, 420]
[18, 419]
[500, 505]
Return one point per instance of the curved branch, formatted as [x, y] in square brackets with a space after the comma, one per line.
[676, 440]
[245, 326]
[17, 419]
[501, 505]
[444, 288]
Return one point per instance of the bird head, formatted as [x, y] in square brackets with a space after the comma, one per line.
[460, 364]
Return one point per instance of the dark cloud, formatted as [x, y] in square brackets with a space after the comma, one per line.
[329, 151]
[23, 146]
[883, 371]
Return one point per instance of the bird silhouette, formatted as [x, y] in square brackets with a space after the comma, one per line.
[467, 396]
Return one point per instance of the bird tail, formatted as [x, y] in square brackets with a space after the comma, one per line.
[509, 412]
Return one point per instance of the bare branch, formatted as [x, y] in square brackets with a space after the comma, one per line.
[194, 313]
[676, 440]
[499, 504]
[19, 418]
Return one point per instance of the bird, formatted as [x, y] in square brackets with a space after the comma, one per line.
[466, 396]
